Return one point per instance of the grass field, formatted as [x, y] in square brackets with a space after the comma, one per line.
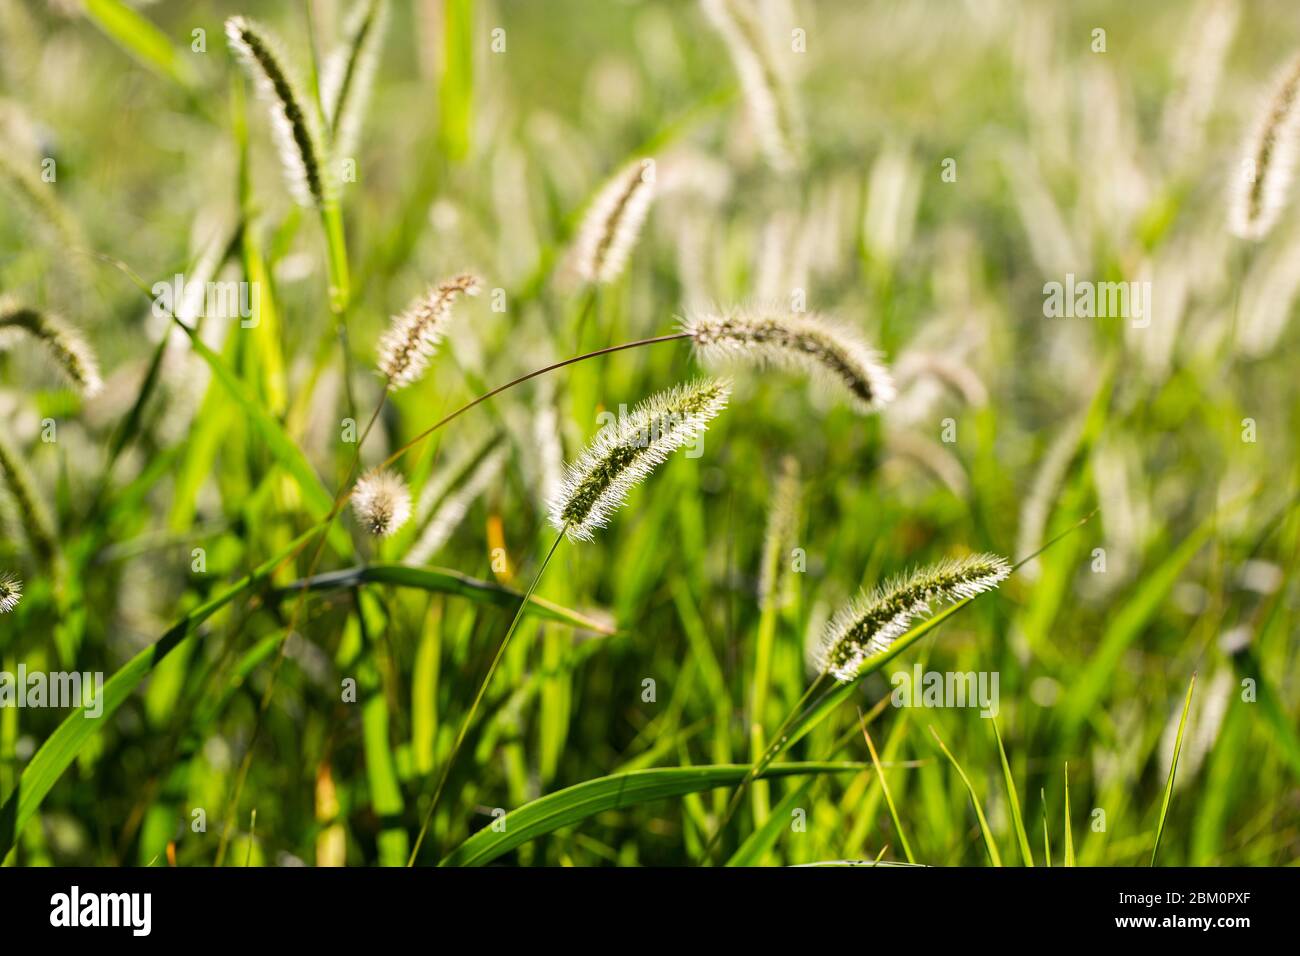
[995, 241]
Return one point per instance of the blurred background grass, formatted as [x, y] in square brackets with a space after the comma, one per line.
[1111, 165]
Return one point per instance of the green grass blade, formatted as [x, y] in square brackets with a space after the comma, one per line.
[989, 845]
[1017, 821]
[1125, 626]
[290, 457]
[577, 803]
[884, 789]
[140, 38]
[1069, 835]
[456, 82]
[1173, 767]
[1047, 840]
[76, 730]
[446, 581]
[756, 845]
[1283, 735]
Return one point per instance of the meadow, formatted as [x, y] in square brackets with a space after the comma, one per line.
[748, 432]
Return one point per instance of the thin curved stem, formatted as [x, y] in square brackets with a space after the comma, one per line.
[478, 699]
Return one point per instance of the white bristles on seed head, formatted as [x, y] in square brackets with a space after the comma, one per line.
[771, 102]
[414, 336]
[294, 120]
[868, 626]
[11, 592]
[1263, 180]
[626, 451]
[69, 349]
[382, 502]
[349, 73]
[803, 340]
[613, 222]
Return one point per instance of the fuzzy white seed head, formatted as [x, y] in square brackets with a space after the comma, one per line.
[613, 222]
[771, 102]
[626, 451]
[294, 121]
[802, 340]
[1263, 179]
[382, 502]
[349, 74]
[65, 344]
[416, 333]
[11, 592]
[868, 626]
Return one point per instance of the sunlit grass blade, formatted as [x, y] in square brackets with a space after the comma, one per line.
[1173, 768]
[584, 800]
[755, 846]
[884, 789]
[140, 38]
[1047, 840]
[1017, 821]
[1069, 833]
[989, 844]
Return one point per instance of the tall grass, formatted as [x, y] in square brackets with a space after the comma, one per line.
[319, 551]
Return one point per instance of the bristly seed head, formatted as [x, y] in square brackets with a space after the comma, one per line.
[349, 74]
[869, 626]
[612, 223]
[19, 483]
[71, 352]
[804, 340]
[11, 592]
[414, 336]
[624, 453]
[1263, 182]
[772, 106]
[382, 502]
[295, 123]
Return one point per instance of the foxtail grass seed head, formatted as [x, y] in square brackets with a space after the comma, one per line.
[1263, 181]
[349, 74]
[414, 336]
[613, 222]
[11, 592]
[69, 349]
[803, 340]
[770, 100]
[294, 120]
[867, 627]
[17, 481]
[382, 502]
[624, 453]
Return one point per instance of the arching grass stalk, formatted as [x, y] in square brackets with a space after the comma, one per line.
[478, 700]
[595, 485]
[348, 489]
[897, 644]
[322, 527]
